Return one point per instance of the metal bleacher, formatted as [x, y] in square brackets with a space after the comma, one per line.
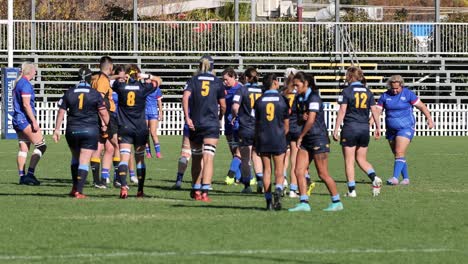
[437, 72]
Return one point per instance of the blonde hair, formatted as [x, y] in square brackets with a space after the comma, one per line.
[205, 66]
[354, 74]
[395, 78]
[27, 68]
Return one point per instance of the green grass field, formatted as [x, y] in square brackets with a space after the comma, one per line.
[426, 222]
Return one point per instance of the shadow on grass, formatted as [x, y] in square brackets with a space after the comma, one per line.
[273, 259]
[212, 206]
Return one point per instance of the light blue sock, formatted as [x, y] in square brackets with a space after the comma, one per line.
[304, 198]
[196, 186]
[398, 167]
[404, 171]
[293, 187]
[335, 198]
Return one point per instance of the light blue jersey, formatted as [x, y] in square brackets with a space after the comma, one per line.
[22, 89]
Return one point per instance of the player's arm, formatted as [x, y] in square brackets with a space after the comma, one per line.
[376, 111]
[286, 126]
[307, 126]
[236, 101]
[58, 124]
[339, 120]
[185, 106]
[160, 108]
[423, 108]
[104, 117]
[26, 98]
[222, 108]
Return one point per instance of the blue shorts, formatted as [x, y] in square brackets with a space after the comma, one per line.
[316, 145]
[391, 134]
[152, 116]
[82, 138]
[20, 125]
[201, 133]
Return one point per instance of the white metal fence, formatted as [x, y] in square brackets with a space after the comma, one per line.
[449, 119]
[161, 37]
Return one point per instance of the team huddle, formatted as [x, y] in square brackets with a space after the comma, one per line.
[268, 128]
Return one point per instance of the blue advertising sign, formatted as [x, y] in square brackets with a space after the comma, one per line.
[9, 76]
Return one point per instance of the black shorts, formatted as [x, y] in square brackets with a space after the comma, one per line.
[112, 128]
[201, 133]
[316, 145]
[355, 135]
[292, 136]
[82, 138]
[246, 137]
[136, 137]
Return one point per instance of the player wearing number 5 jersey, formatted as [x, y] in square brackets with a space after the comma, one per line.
[132, 123]
[82, 104]
[271, 126]
[356, 101]
[203, 94]
[243, 110]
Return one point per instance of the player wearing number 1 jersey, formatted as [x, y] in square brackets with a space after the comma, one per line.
[82, 104]
[132, 124]
[203, 94]
[356, 101]
[243, 110]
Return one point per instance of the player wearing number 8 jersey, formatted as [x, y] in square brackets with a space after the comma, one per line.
[356, 101]
[202, 95]
[132, 124]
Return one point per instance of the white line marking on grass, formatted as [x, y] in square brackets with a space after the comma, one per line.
[234, 252]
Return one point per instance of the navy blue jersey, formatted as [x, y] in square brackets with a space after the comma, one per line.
[399, 108]
[205, 91]
[359, 100]
[132, 103]
[311, 102]
[294, 126]
[271, 109]
[246, 97]
[82, 104]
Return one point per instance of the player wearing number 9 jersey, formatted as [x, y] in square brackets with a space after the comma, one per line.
[356, 101]
[203, 94]
[132, 124]
[271, 127]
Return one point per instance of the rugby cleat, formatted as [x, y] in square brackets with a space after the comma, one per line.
[78, 195]
[158, 155]
[392, 181]
[253, 181]
[72, 192]
[177, 185]
[259, 186]
[123, 192]
[229, 181]
[300, 207]
[277, 199]
[99, 185]
[140, 194]
[293, 194]
[29, 180]
[247, 190]
[197, 195]
[376, 186]
[333, 207]
[404, 182]
[148, 155]
[205, 198]
[352, 194]
[134, 179]
[311, 188]
[269, 205]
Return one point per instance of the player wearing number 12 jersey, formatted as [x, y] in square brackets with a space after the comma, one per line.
[356, 101]
[132, 124]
